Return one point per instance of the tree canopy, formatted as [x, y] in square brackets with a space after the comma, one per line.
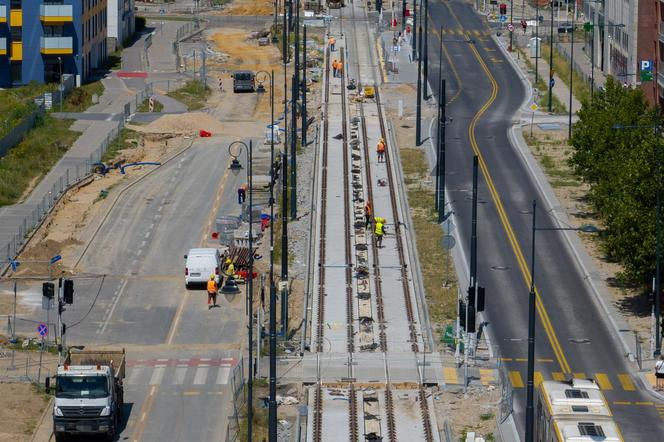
[615, 152]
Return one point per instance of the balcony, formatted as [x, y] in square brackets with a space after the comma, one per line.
[17, 51]
[56, 13]
[3, 14]
[3, 46]
[56, 45]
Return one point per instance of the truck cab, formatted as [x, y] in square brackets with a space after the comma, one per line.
[89, 396]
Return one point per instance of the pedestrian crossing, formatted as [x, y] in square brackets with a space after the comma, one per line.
[460, 32]
[179, 372]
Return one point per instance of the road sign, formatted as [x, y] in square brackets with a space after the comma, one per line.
[645, 71]
[510, 27]
[42, 329]
[534, 107]
[55, 259]
[503, 18]
[448, 242]
[552, 82]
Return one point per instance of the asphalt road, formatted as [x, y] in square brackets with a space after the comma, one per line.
[572, 337]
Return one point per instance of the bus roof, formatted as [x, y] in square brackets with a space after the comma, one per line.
[575, 397]
[582, 430]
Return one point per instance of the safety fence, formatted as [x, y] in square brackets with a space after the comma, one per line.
[28, 216]
[236, 384]
[26, 366]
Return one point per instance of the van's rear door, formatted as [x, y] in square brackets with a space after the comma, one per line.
[202, 266]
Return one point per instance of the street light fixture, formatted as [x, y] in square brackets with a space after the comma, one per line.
[532, 297]
[657, 289]
[235, 168]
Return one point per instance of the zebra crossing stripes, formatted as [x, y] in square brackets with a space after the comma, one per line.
[179, 372]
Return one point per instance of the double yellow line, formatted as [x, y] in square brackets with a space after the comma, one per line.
[544, 317]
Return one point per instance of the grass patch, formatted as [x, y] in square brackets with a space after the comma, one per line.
[194, 94]
[543, 101]
[145, 106]
[556, 169]
[125, 140]
[486, 416]
[34, 156]
[440, 299]
[580, 89]
[17, 103]
[114, 61]
[80, 98]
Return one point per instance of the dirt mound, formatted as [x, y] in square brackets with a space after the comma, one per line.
[189, 123]
[250, 7]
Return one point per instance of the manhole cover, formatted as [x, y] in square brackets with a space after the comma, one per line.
[499, 268]
[579, 341]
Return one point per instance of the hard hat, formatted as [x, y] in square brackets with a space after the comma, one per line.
[228, 260]
[211, 276]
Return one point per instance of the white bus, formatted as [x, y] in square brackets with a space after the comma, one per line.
[573, 411]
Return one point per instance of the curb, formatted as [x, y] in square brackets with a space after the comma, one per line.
[40, 422]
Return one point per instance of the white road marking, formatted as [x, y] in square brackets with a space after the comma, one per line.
[139, 252]
[147, 234]
[144, 242]
[134, 374]
[151, 226]
[160, 208]
[157, 375]
[201, 375]
[222, 375]
[180, 373]
[115, 304]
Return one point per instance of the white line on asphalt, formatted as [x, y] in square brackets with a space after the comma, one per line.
[160, 208]
[222, 375]
[147, 234]
[115, 304]
[139, 252]
[143, 416]
[134, 374]
[143, 243]
[201, 375]
[205, 359]
[180, 373]
[151, 226]
[157, 375]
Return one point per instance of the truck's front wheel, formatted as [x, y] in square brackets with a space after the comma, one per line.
[60, 437]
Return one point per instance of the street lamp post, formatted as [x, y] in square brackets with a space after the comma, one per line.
[235, 167]
[550, 104]
[571, 80]
[426, 50]
[537, 42]
[418, 107]
[657, 289]
[61, 84]
[532, 300]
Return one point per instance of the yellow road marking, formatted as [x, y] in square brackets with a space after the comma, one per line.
[626, 382]
[603, 381]
[558, 376]
[544, 360]
[515, 378]
[652, 380]
[505, 359]
[450, 375]
[538, 379]
[486, 376]
[646, 403]
[145, 409]
[521, 359]
[622, 403]
[580, 376]
[191, 393]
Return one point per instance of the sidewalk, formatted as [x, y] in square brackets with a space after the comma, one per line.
[99, 125]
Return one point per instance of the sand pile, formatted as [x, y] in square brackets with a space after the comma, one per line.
[189, 123]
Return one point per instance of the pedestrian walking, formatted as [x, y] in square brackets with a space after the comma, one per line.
[380, 150]
[379, 231]
[332, 42]
[241, 194]
[367, 214]
[212, 292]
[659, 373]
[340, 69]
[335, 63]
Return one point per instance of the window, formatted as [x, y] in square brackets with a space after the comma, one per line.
[590, 429]
[579, 408]
[17, 33]
[576, 394]
[16, 4]
[54, 31]
[625, 40]
[17, 72]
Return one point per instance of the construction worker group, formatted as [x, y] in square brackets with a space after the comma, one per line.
[213, 288]
[337, 68]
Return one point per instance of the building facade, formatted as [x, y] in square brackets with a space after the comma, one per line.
[43, 39]
[121, 20]
[651, 47]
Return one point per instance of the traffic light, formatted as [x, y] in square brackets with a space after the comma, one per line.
[471, 296]
[68, 296]
[480, 299]
[503, 9]
[379, 5]
[588, 27]
[471, 317]
[48, 290]
[61, 308]
[64, 328]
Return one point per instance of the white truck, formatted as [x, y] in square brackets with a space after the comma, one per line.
[89, 394]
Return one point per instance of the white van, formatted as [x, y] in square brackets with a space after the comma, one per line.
[200, 264]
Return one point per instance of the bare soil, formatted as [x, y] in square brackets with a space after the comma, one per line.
[249, 7]
[21, 407]
[474, 411]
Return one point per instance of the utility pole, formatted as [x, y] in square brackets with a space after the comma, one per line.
[284, 242]
[440, 200]
[418, 107]
[550, 104]
[537, 42]
[571, 81]
[272, 403]
[426, 50]
[250, 293]
[415, 44]
[303, 124]
[512, 23]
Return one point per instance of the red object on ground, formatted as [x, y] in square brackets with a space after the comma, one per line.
[204, 133]
[265, 223]
[394, 23]
[215, 235]
[128, 74]
[244, 274]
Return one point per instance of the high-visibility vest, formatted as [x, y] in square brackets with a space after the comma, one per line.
[378, 219]
[212, 286]
[380, 147]
[230, 270]
[332, 40]
[335, 64]
[379, 228]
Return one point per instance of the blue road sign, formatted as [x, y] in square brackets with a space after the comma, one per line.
[552, 82]
[55, 259]
[503, 18]
[14, 264]
[42, 329]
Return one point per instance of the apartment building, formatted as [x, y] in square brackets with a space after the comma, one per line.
[120, 22]
[650, 48]
[42, 39]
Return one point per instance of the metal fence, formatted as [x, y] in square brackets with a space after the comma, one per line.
[236, 383]
[22, 366]
[506, 394]
[73, 175]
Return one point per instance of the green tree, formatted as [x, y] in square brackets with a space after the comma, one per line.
[619, 164]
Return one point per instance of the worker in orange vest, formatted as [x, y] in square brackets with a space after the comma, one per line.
[212, 292]
[380, 150]
[332, 42]
[340, 69]
[367, 214]
[335, 65]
